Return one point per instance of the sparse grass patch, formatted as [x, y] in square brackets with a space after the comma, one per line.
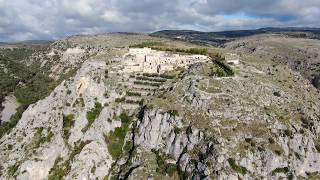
[61, 169]
[275, 111]
[13, 169]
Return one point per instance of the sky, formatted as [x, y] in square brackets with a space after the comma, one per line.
[54, 19]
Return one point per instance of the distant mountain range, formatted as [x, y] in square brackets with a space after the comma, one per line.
[219, 38]
[27, 42]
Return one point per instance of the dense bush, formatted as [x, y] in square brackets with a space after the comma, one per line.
[129, 93]
[68, 122]
[223, 70]
[115, 139]
[35, 82]
[37, 88]
[118, 100]
[280, 170]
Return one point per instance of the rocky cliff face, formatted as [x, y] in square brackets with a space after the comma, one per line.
[42, 139]
[260, 123]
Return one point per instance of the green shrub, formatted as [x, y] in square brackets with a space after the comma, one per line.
[284, 170]
[92, 115]
[164, 167]
[134, 102]
[173, 112]
[129, 93]
[177, 130]
[223, 70]
[39, 139]
[118, 100]
[14, 119]
[115, 139]
[171, 169]
[68, 122]
[36, 88]
[237, 168]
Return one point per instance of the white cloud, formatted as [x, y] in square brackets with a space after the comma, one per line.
[45, 19]
[114, 17]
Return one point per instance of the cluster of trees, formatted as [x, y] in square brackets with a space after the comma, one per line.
[202, 51]
[160, 46]
[223, 69]
[28, 83]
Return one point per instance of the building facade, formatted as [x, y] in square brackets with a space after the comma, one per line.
[146, 60]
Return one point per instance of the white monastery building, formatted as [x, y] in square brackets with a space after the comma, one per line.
[146, 60]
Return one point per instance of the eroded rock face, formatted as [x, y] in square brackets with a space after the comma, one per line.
[34, 151]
